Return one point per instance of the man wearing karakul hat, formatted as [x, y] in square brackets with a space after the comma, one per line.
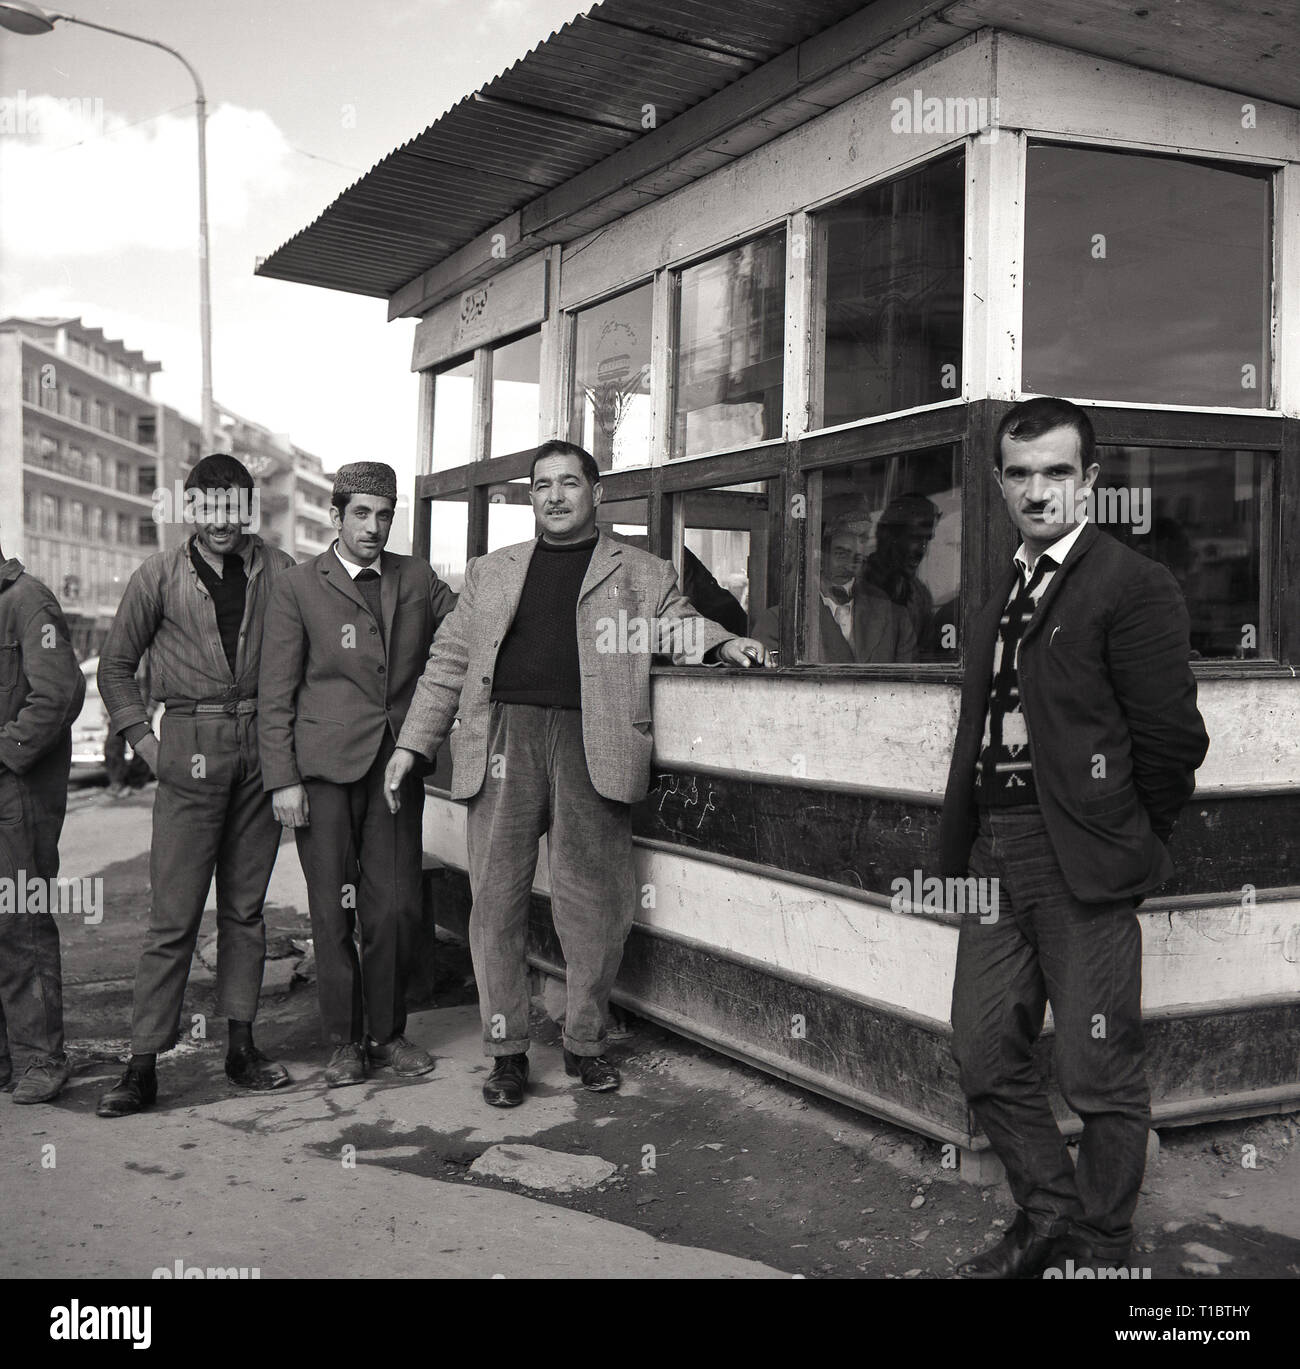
[347, 635]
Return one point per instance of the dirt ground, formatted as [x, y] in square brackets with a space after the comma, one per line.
[712, 1153]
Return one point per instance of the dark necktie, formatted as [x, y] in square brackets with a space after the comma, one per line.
[1005, 694]
[367, 582]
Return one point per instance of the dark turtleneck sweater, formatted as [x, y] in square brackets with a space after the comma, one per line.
[538, 661]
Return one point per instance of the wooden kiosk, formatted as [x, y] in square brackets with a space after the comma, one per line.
[783, 271]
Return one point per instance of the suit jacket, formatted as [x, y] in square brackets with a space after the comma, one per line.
[622, 584]
[329, 688]
[1110, 703]
[882, 630]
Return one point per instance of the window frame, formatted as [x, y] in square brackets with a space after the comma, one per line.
[990, 373]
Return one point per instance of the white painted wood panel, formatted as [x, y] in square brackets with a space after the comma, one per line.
[512, 300]
[1200, 956]
[1044, 88]
[878, 734]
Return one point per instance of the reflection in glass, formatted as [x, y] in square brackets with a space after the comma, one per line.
[516, 395]
[890, 286]
[610, 404]
[453, 416]
[728, 534]
[1146, 278]
[884, 566]
[730, 349]
[1199, 514]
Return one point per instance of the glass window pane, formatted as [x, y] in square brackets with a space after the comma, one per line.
[884, 563]
[516, 395]
[730, 349]
[1146, 278]
[449, 538]
[1199, 513]
[731, 532]
[890, 281]
[453, 416]
[610, 405]
[510, 514]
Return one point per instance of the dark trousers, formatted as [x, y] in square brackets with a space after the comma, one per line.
[31, 974]
[363, 867]
[209, 816]
[537, 782]
[1086, 960]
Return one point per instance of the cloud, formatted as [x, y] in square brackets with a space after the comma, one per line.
[82, 182]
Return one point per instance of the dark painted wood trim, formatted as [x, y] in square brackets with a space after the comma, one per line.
[1286, 584]
[865, 841]
[888, 437]
[478, 521]
[728, 468]
[1137, 427]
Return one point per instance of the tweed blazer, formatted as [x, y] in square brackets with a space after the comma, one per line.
[624, 590]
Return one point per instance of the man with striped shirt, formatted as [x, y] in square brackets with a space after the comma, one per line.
[1077, 744]
[197, 611]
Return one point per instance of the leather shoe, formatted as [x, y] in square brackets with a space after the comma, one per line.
[6, 1070]
[1020, 1254]
[596, 1073]
[137, 1090]
[1072, 1252]
[400, 1055]
[347, 1065]
[505, 1085]
[250, 1069]
[42, 1081]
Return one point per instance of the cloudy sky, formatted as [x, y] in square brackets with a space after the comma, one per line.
[99, 199]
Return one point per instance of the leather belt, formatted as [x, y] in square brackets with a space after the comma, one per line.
[235, 707]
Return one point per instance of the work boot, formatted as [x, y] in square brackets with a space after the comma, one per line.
[505, 1085]
[596, 1073]
[1020, 1254]
[42, 1081]
[1073, 1252]
[347, 1065]
[138, 1089]
[250, 1069]
[400, 1055]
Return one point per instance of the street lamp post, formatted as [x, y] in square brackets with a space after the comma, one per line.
[19, 17]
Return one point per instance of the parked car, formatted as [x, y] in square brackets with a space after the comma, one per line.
[90, 731]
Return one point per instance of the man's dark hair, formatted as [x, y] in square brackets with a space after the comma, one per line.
[220, 471]
[556, 447]
[909, 510]
[341, 501]
[1034, 417]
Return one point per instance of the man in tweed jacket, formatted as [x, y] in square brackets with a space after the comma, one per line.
[545, 666]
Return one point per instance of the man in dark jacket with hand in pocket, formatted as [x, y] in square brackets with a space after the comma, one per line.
[1077, 745]
[41, 693]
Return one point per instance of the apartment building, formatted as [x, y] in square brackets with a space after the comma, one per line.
[84, 446]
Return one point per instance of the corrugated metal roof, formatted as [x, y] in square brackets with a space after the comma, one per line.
[574, 100]
[578, 97]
